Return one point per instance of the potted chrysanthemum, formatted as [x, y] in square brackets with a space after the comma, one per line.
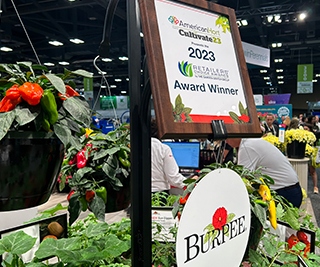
[40, 115]
[296, 141]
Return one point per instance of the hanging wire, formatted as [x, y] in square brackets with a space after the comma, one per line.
[108, 91]
[25, 31]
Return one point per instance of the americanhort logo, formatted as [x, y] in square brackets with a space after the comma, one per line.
[173, 20]
[185, 68]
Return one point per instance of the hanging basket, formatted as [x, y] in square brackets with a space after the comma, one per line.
[296, 150]
[29, 164]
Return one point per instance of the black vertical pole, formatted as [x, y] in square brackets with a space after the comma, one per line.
[140, 147]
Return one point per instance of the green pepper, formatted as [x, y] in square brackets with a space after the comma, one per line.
[261, 202]
[102, 193]
[123, 154]
[125, 163]
[45, 124]
[49, 105]
[83, 203]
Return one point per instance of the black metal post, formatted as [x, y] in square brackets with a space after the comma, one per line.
[140, 147]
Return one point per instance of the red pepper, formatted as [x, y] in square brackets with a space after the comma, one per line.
[31, 93]
[302, 237]
[70, 194]
[8, 104]
[183, 200]
[73, 161]
[292, 240]
[69, 93]
[13, 92]
[81, 159]
[90, 195]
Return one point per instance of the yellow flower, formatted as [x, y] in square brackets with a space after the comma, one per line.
[88, 132]
[300, 135]
[274, 140]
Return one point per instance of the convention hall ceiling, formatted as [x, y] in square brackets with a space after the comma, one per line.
[47, 20]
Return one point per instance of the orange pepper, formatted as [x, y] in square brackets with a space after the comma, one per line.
[31, 93]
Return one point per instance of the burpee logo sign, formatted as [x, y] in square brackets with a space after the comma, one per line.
[224, 202]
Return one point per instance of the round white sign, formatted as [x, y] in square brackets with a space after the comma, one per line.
[215, 223]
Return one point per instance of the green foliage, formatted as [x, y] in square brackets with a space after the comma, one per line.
[74, 112]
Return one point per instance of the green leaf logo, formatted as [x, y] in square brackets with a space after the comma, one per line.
[185, 68]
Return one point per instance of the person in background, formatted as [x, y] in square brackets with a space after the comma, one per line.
[285, 122]
[270, 126]
[254, 153]
[301, 118]
[294, 123]
[312, 170]
[317, 123]
[164, 168]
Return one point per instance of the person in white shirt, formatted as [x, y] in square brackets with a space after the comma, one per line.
[256, 152]
[164, 168]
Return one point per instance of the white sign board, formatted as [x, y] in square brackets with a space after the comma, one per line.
[198, 68]
[256, 55]
[215, 223]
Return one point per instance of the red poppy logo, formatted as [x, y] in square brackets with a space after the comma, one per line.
[219, 218]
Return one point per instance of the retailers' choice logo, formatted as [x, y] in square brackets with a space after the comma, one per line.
[185, 68]
[173, 20]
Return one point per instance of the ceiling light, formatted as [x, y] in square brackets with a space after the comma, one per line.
[49, 64]
[280, 77]
[317, 75]
[263, 71]
[106, 59]
[103, 86]
[277, 18]
[239, 23]
[280, 82]
[266, 78]
[117, 80]
[76, 41]
[302, 16]
[123, 58]
[279, 44]
[71, 0]
[6, 49]
[64, 63]
[113, 86]
[102, 72]
[274, 45]
[269, 18]
[278, 60]
[244, 22]
[141, 34]
[55, 43]
[279, 70]
[127, 79]
[123, 92]
[314, 81]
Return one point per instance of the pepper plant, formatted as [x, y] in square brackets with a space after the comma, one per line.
[34, 99]
[100, 163]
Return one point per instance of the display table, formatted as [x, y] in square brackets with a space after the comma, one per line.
[301, 168]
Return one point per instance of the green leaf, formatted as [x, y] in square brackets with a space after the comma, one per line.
[57, 82]
[63, 133]
[260, 212]
[94, 230]
[234, 117]
[78, 109]
[230, 217]
[187, 111]
[178, 100]
[49, 247]
[17, 243]
[24, 116]
[291, 218]
[74, 209]
[115, 247]
[83, 73]
[6, 120]
[242, 109]
[98, 207]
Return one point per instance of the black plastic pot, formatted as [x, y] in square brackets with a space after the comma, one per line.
[29, 165]
[296, 150]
